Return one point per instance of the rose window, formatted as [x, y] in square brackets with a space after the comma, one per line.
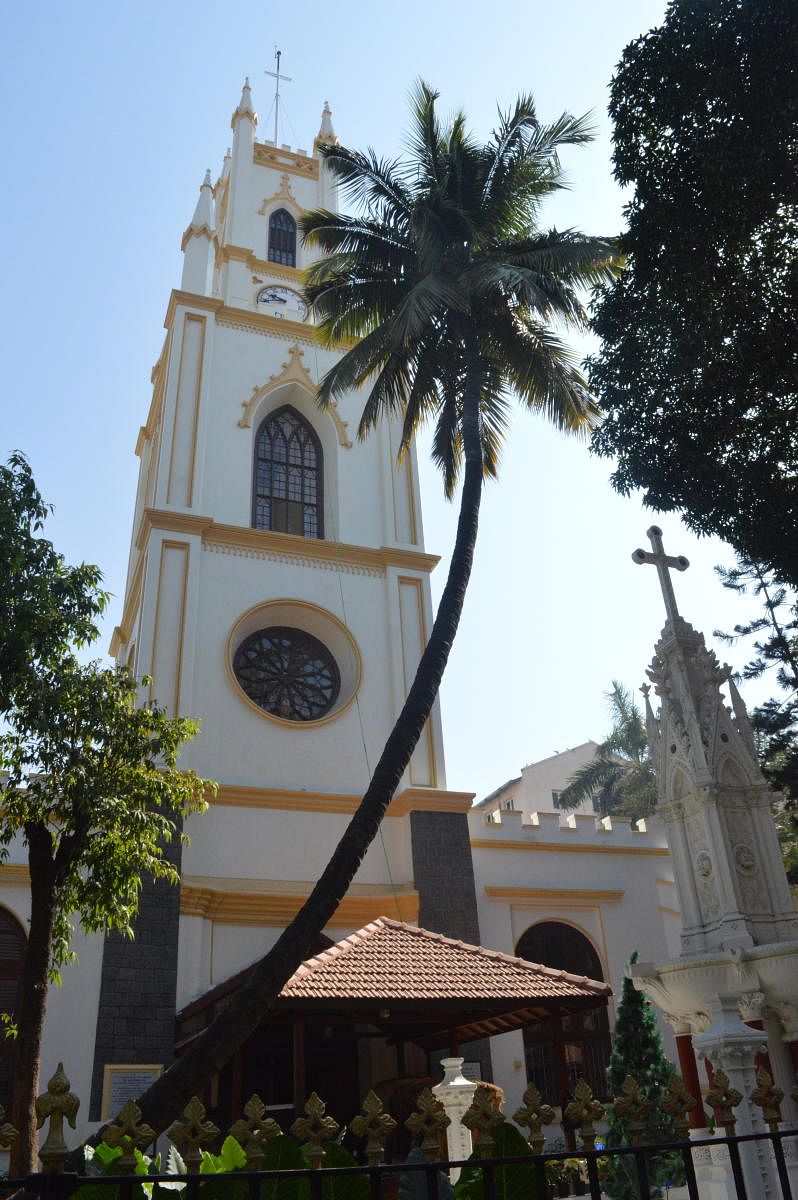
[288, 673]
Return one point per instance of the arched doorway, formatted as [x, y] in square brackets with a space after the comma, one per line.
[12, 951]
[560, 1051]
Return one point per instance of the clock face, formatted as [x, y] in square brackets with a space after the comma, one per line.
[282, 302]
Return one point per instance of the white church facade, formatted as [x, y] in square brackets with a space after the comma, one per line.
[278, 589]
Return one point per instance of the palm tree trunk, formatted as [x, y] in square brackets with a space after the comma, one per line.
[166, 1098]
[32, 1004]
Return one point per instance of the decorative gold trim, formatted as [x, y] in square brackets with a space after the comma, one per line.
[279, 908]
[666, 882]
[327, 616]
[409, 800]
[568, 895]
[266, 267]
[409, 672]
[14, 873]
[185, 549]
[284, 196]
[673, 912]
[268, 541]
[293, 371]
[193, 231]
[189, 490]
[122, 632]
[283, 327]
[285, 160]
[565, 848]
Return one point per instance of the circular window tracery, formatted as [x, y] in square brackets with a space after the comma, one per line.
[287, 672]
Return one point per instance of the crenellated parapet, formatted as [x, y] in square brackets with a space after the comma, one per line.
[566, 832]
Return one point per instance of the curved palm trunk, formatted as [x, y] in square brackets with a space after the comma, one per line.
[165, 1099]
[32, 1005]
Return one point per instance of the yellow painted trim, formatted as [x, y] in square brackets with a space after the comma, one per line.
[673, 912]
[263, 323]
[270, 542]
[14, 873]
[189, 494]
[409, 800]
[267, 716]
[571, 895]
[666, 882]
[409, 673]
[192, 231]
[278, 908]
[285, 160]
[285, 198]
[279, 270]
[122, 632]
[565, 848]
[293, 371]
[185, 548]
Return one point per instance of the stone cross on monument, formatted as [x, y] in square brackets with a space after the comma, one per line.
[662, 561]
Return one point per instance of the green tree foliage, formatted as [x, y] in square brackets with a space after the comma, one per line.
[620, 777]
[698, 373]
[637, 1051]
[448, 285]
[90, 786]
[45, 605]
[775, 723]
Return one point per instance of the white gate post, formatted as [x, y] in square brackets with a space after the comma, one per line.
[455, 1093]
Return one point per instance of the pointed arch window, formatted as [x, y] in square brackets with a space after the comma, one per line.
[282, 238]
[12, 950]
[577, 1044]
[287, 493]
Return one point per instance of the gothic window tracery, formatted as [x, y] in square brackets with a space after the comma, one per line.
[288, 673]
[287, 492]
[559, 1052]
[12, 950]
[282, 238]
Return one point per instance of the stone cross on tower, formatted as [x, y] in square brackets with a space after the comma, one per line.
[662, 562]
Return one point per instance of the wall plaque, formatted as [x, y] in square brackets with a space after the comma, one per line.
[126, 1081]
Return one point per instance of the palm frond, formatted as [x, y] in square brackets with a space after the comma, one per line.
[595, 776]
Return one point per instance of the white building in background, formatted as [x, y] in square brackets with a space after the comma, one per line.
[539, 786]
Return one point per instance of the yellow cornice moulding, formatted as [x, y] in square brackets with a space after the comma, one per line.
[279, 908]
[285, 160]
[270, 542]
[410, 800]
[226, 314]
[559, 895]
[566, 847]
[14, 873]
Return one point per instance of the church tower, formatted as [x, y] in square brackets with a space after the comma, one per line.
[278, 589]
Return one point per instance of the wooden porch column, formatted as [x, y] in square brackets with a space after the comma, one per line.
[689, 1069]
[300, 1066]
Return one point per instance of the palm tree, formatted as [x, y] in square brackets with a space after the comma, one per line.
[620, 777]
[449, 287]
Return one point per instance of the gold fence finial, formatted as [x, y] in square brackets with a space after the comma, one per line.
[724, 1098]
[634, 1107]
[255, 1133]
[191, 1132]
[314, 1129]
[768, 1097]
[482, 1117]
[374, 1124]
[56, 1103]
[534, 1114]
[583, 1111]
[678, 1102]
[427, 1122]
[129, 1134]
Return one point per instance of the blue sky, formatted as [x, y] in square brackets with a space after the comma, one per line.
[111, 113]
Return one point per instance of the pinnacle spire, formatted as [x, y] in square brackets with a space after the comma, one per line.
[203, 213]
[326, 132]
[244, 108]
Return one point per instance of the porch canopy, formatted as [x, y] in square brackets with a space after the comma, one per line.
[403, 984]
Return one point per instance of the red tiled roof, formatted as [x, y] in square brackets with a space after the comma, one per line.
[389, 960]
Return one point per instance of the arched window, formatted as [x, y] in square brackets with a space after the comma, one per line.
[559, 1052]
[287, 493]
[282, 238]
[12, 950]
